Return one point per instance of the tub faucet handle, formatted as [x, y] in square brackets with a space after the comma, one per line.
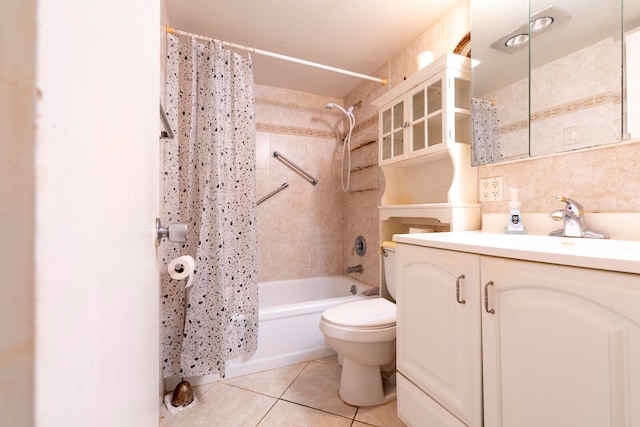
[359, 246]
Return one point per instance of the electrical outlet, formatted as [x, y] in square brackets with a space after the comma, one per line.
[491, 189]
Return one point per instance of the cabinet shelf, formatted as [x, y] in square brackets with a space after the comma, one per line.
[461, 215]
[424, 136]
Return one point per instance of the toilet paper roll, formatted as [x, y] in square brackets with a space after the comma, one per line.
[181, 268]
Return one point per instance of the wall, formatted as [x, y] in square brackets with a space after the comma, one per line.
[361, 206]
[300, 229]
[17, 192]
[602, 179]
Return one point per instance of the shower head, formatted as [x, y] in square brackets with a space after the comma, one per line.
[331, 106]
[348, 112]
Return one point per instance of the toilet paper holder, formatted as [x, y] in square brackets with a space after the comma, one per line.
[176, 232]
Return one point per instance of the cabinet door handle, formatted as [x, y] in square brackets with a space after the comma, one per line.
[458, 290]
[486, 298]
[406, 125]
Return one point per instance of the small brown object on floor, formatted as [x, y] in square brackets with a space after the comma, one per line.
[182, 395]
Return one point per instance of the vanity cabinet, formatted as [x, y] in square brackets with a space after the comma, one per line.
[438, 337]
[561, 346]
[534, 344]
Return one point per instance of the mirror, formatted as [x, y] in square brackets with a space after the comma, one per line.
[559, 86]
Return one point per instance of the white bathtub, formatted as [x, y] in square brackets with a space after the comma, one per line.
[290, 312]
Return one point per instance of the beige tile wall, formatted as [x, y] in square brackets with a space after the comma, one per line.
[603, 179]
[300, 229]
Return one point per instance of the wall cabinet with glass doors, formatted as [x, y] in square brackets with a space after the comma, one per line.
[424, 146]
[426, 113]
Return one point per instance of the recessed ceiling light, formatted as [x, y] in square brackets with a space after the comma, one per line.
[540, 24]
[517, 40]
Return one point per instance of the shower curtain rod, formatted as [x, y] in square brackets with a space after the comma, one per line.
[174, 31]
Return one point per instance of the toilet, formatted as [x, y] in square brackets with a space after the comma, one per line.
[363, 333]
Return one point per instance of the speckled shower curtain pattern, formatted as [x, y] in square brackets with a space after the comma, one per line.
[209, 182]
[485, 128]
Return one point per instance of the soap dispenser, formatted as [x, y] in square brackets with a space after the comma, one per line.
[515, 225]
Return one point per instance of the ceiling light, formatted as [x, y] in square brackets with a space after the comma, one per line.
[541, 24]
[517, 40]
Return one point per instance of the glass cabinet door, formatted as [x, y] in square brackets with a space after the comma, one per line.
[386, 135]
[392, 132]
[398, 129]
[434, 113]
[427, 119]
[418, 110]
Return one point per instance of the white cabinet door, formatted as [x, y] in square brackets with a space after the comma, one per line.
[393, 133]
[417, 409]
[562, 346]
[439, 347]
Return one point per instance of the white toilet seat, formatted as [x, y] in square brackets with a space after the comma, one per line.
[368, 320]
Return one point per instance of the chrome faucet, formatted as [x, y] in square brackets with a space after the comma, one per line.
[355, 269]
[574, 224]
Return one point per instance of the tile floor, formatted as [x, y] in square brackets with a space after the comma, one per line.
[305, 394]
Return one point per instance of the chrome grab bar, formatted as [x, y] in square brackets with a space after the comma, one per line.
[292, 165]
[282, 187]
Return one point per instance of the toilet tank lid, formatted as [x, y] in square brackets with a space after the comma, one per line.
[365, 313]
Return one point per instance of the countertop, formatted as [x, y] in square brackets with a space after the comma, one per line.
[603, 254]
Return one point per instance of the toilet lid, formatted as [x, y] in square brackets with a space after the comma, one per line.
[369, 313]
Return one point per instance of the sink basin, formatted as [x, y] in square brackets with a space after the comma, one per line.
[604, 254]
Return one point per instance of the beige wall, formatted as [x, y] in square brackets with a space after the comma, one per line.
[300, 229]
[604, 179]
[17, 192]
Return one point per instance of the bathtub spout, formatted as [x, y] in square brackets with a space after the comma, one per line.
[355, 269]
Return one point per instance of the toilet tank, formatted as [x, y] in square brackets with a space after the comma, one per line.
[389, 259]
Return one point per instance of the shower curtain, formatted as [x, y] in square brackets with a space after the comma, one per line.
[209, 182]
[486, 147]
